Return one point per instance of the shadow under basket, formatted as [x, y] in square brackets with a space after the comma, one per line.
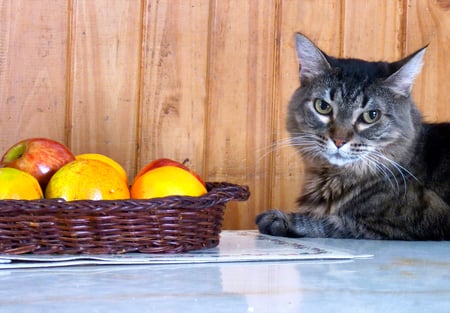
[164, 225]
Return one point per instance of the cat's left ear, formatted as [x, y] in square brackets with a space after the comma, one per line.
[401, 81]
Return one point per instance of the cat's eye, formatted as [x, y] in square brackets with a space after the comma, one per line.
[371, 117]
[322, 107]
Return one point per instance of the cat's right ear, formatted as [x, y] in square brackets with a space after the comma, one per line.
[311, 59]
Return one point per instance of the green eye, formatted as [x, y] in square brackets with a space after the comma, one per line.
[371, 117]
[322, 107]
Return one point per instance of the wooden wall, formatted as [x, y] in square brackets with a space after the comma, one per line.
[204, 80]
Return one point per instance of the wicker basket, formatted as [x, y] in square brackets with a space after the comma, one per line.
[165, 225]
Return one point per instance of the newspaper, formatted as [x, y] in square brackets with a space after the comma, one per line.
[235, 246]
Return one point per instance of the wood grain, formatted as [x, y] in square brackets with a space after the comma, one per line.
[104, 89]
[174, 84]
[373, 29]
[239, 101]
[429, 23]
[32, 70]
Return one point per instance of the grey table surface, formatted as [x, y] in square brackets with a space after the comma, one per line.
[400, 277]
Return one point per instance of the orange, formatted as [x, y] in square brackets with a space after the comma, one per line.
[87, 179]
[166, 181]
[19, 185]
[106, 159]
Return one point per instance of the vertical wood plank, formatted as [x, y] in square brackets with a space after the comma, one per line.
[172, 116]
[32, 69]
[373, 29]
[429, 23]
[104, 90]
[320, 21]
[239, 102]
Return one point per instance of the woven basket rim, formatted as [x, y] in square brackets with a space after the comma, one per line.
[217, 191]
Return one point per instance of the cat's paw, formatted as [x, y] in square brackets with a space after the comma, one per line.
[273, 222]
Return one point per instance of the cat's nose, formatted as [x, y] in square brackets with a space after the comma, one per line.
[339, 142]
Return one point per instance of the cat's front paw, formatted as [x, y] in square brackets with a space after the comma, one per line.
[273, 222]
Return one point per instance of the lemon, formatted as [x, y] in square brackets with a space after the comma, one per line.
[87, 179]
[19, 185]
[106, 159]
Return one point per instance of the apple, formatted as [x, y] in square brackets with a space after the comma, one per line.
[167, 162]
[40, 157]
[165, 177]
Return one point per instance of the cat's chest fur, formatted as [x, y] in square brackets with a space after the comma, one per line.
[328, 192]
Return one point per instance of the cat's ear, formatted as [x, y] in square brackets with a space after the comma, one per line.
[402, 80]
[312, 60]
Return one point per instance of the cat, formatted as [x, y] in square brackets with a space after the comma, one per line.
[373, 168]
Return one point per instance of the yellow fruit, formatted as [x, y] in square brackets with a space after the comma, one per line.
[15, 184]
[166, 181]
[106, 159]
[87, 179]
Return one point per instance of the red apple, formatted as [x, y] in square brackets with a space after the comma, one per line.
[40, 157]
[167, 162]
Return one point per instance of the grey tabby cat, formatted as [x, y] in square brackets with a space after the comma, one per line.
[374, 169]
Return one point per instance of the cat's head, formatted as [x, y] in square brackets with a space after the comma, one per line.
[350, 111]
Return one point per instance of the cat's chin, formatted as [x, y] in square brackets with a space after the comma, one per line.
[339, 160]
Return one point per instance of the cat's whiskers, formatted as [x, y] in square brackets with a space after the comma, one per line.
[387, 167]
[310, 145]
[380, 167]
[276, 146]
[304, 140]
[399, 167]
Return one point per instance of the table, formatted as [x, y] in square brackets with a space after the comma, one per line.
[400, 277]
